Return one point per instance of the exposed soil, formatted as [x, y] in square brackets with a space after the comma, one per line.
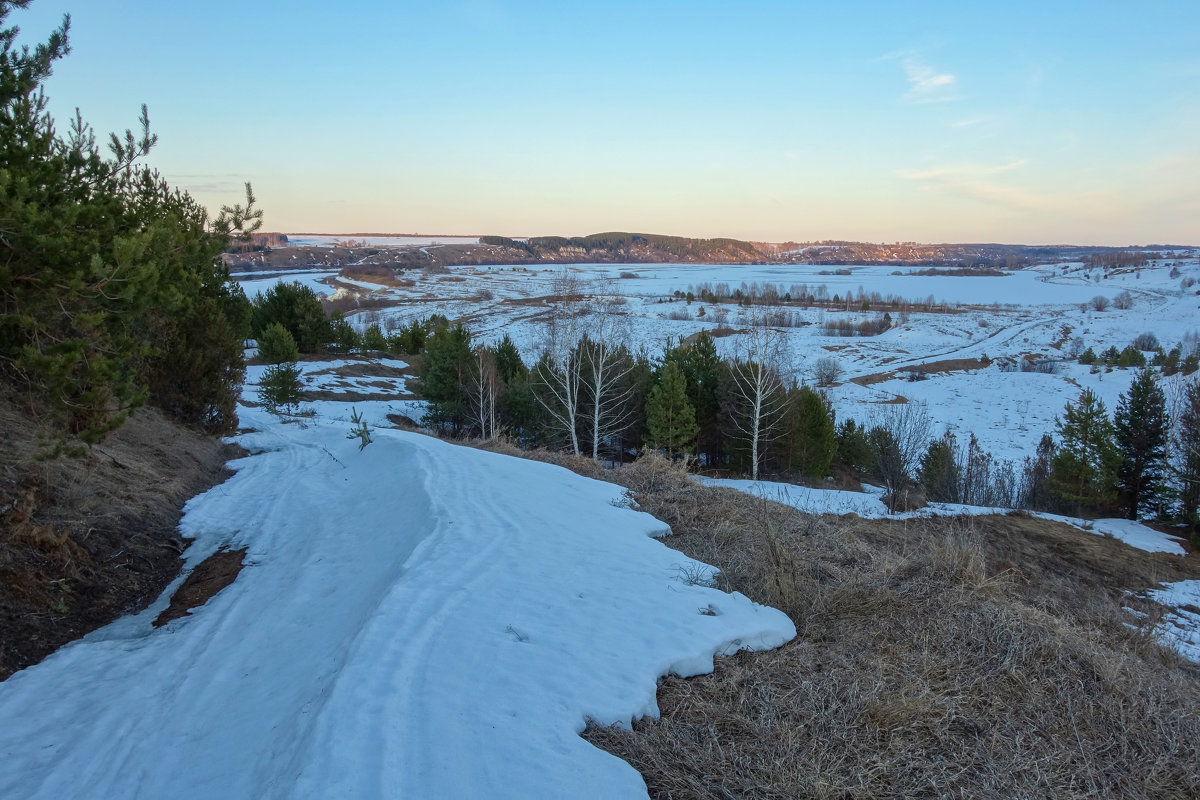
[86, 539]
[928, 368]
[209, 577]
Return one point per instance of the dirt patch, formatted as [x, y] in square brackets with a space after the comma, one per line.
[209, 577]
[929, 368]
[366, 369]
[84, 540]
[897, 400]
[353, 396]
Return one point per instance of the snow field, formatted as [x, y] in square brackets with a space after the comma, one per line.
[416, 619]
[1026, 312]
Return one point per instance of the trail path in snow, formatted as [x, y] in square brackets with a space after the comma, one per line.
[416, 619]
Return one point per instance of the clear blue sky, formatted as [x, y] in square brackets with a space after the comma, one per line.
[1044, 121]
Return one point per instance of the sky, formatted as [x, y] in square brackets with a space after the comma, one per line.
[1021, 122]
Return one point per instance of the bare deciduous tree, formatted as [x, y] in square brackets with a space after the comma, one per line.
[758, 389]
[484, 389]
[585, 365]
[826, 371]
[899, 437]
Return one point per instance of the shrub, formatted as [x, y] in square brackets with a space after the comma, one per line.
[1131, 357]
[276, 345]
[1123, 301]
[827, 371]
[1147, 342]
[1101, 303]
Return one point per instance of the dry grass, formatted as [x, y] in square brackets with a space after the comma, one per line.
[85, 539]
[969, 657]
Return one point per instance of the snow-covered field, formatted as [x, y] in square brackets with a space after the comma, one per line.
[317, 280]
[415, 619]
[1040, 312]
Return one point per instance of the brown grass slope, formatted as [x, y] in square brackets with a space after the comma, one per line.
[86, 539]
[970, 657]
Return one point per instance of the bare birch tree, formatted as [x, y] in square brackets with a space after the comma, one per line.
[559, 380]
[758, 389]
[559, 372]
[586, 365]
[484, 389]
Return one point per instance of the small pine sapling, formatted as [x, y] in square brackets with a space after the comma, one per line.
[360, 430]
[280, 386]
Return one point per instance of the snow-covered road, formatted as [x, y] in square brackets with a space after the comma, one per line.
[416, 619]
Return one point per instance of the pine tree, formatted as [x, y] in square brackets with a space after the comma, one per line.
[1140, 425]
[853, 449]
[297, 308]
[508, 360]
[280, 386]
[940, 472]
[276, 345]
[341, 333]
[1187, 443]
[445, 372]
[670, 418]
[112, 291]
[373, 339]
[702, 368]
[1083, 470]
[809, 438]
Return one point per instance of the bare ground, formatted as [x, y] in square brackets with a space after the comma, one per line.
[208, 578]
[86, 539]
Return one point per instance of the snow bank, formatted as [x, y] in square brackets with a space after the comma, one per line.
[869, 504]
[416, 619]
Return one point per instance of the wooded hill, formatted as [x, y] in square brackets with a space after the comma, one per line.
[629, 248]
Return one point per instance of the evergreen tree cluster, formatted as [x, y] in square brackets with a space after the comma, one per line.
[1137, 462]
[112, 292]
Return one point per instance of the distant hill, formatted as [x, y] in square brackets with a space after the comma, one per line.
[628, 248]
[1001, 256]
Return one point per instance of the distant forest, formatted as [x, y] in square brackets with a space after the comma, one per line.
[267, 252]
[633, 248]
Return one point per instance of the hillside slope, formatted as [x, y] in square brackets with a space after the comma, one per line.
[414, 619]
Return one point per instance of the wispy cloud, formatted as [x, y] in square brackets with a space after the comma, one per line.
[947, 172]
[970, 122]
[975, 181]
[926, 84]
